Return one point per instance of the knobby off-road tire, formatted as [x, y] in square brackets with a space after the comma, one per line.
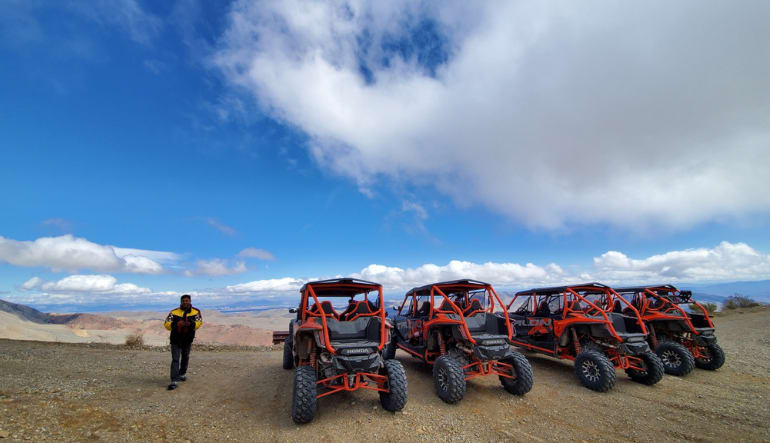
[459, 356]
[716, 358]
[595, 371]
[303, 403]
[389, 351]
[449, 379]
[676, 358]
[653, 372]
[288, 357]
[395, 400]
[523, 373]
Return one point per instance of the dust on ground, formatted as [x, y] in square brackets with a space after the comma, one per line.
[55, 391]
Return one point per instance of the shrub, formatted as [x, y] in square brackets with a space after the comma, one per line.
[135, 340]
[739, 301]
[711, 308]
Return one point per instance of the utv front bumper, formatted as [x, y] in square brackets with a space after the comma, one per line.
[634, 345]
[705, 339]
[370, 362]
[491, 347]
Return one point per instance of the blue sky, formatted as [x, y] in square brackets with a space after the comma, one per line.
[239, 149]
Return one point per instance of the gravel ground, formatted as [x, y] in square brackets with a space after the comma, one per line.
[54, 391]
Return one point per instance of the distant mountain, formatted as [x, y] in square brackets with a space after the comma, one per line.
[758, 290]
[708, 298]
[24, 312]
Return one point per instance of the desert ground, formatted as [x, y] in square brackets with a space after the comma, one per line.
[57, 391]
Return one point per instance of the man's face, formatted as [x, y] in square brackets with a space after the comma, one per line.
[185, 304]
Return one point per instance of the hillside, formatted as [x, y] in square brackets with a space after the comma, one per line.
[111, 393]
[19, 322]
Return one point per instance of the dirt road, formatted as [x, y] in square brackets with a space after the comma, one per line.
[100, 392]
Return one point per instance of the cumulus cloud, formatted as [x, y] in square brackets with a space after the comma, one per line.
[216, 267]
[67, 252]
[549, 113]
[32, 283]
[259, 253]
[503, 274]
[726, 261]
[271, 285]
[85, 284]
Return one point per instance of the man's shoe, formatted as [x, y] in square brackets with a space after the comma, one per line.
[181, 378]
[172, 386]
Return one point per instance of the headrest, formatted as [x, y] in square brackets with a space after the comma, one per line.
[474, 306]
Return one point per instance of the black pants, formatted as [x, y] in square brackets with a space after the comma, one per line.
[179, 367]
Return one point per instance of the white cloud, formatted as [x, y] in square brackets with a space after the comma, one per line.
[503, 274]
[216, 267]
[272, 285]
[727, 261]
[85, 284]
[67, 252]
[645, 114]
[259, 253]
[221, 227]
[32, 283]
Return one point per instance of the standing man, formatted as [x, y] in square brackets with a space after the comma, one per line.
[182, 322]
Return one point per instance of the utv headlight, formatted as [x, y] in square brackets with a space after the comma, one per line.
[356, 351]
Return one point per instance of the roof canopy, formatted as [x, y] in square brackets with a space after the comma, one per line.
[449, 285]
[341, 287]
[642, 288]
[598, 287]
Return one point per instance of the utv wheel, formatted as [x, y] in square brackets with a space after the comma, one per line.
[714, 360]
[449, 379]
[653, 369]
[288, 357]
[676, 359]
[389, 351]
[303, 403]
[523, 373]
[395, 400]
[459, 356]
[595, 371]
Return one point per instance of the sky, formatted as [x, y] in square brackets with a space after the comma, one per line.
[234, 150]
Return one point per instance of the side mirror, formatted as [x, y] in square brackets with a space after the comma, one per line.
[292, 310]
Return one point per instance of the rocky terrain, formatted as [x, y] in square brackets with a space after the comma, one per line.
[55, 391]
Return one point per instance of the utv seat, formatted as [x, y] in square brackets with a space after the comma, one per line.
[473, 308]
[326, 307]
[359, 309]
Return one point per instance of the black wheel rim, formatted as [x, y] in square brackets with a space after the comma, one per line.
[441, 379]
[671, 359]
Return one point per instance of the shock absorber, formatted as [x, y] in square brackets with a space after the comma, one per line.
[575, 341]
[441, 344]
[652, 336]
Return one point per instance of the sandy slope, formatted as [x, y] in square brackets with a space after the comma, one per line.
[78, 392]
[230, 329]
